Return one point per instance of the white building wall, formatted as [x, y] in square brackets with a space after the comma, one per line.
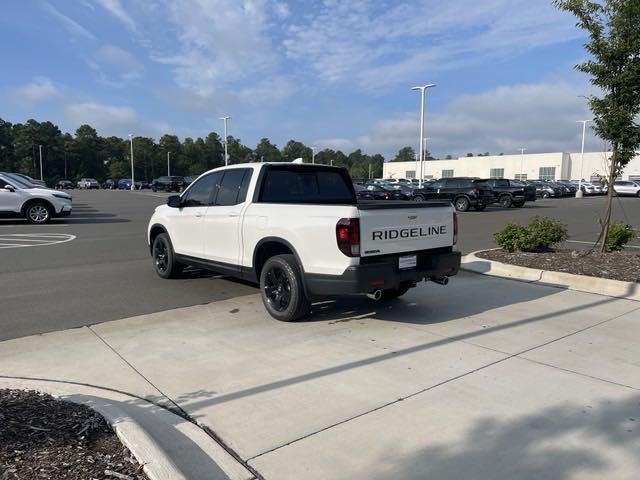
[567, 166]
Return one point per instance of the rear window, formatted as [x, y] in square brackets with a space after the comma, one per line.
[305, 185]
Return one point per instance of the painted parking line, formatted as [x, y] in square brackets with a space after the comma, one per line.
[22, 240]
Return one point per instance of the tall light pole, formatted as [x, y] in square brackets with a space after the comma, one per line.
[522, 150]
[422, 89]
[226, 155]
[133, 180]
[168, 163]
[313, 154]
[40, 149]
[584, 131]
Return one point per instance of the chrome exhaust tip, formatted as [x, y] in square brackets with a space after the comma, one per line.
[375, 295]
[440, 280]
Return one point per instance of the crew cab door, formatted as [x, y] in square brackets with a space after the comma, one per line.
[186, 222]
[222, 222]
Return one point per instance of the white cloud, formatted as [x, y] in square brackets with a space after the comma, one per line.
[376, 43]
[71, 25]
[220, 43]
[115, 66]
[117, 10]
[112, 120]
[39, 89]
[541, 117]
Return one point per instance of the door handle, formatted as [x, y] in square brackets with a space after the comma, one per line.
[198, 215]
[233, 215]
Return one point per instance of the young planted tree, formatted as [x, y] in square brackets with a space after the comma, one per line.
[613, 27]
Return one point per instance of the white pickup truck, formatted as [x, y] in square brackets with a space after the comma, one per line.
[299, 231]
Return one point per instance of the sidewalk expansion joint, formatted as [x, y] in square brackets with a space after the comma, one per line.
[178, 410]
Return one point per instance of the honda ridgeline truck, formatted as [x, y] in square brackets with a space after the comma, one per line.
[299, 231]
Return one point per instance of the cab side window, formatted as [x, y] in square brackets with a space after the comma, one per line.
[201, 193]
[233, 188]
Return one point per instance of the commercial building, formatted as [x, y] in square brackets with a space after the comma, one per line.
[543, 166]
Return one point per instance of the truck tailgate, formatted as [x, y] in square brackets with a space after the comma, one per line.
[397, 227]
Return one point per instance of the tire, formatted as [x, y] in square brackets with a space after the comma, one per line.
[164, 258]
[418, 198]
[519, 204]
[282, 290]
[154, 188]
[545, 195]
[479, 208]
[461, 204]
[393, 293]
[38, 213]
[638, 194]
[505, 201]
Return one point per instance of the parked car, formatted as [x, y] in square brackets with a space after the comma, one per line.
[38, 205]
[373, 192]
[124, 184]
[588, 188]
[509, 193]
[168, 184]
[545, 189]
[65, 185]
[572, 187]
[463, 192]
[298, 231]
[626, 187]
[110, 184]
[599, 187]
[400, 192]
[142, 185]
[33, 181]
[88, 183]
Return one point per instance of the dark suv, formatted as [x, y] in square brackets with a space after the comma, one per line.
[511, 193]
[168, 184]
[463, 192]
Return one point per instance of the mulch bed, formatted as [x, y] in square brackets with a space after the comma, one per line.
[615, 265]
[45, 438]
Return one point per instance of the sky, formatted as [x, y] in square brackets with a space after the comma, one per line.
[330, 73]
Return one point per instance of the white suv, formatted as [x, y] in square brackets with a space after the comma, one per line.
[19, 198]
[626, 187]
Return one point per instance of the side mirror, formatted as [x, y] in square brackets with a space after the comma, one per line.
[9, 188]
[174, 201]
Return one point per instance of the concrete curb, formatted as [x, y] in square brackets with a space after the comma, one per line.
[581, 283]
[165, 444]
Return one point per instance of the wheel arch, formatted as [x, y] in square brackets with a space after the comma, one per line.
[271, 246]
[31, 201]
[154, 231]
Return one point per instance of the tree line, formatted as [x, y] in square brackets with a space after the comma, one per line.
[87, 154]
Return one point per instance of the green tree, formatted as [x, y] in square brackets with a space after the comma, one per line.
[405, 154]
[326, 156]
[448, 157]
[214, 151]
[7, 154]
[294, 149]
[238, 153]
[267, 151]
[613, 27]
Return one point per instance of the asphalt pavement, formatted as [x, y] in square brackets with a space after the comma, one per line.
[94, 266]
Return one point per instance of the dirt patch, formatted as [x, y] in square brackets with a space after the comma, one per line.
[614, 266]
[45, 438]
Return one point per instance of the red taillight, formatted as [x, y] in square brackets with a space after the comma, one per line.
[455, 228]
[348, 236]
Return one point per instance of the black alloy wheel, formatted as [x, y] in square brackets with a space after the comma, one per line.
[164, 262]
[462, 204]
[277, 289]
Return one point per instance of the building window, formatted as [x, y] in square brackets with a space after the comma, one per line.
[521, 176]
[447, 173]
[496, 173]
[547, 173]
[410, 174]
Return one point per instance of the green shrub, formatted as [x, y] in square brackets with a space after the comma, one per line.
[619, 235]
[540, 234]
[547, 232]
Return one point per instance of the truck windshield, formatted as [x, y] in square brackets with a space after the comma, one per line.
[307, 185]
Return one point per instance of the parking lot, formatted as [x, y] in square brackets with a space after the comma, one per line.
[94, 266]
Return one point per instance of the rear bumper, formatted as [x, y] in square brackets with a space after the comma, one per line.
[383, 274]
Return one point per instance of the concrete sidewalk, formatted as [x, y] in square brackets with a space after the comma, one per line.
[485, 378]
